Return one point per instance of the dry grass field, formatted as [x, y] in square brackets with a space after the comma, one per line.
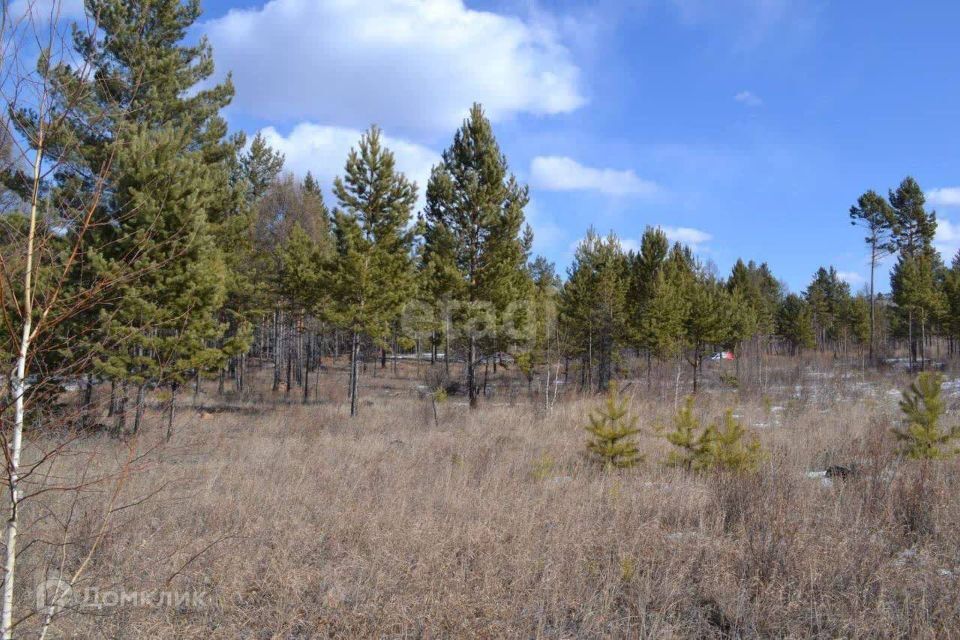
[298, 522]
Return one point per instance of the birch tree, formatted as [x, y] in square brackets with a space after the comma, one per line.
[51, 242]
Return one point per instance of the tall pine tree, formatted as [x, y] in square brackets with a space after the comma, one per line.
[372, 270]
[876, 215]
[476, 243]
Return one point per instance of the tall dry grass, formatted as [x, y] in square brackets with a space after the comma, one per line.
[299, 522]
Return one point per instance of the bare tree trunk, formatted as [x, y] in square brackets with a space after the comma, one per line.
[396, 349]
[676, 386]
[446, 347]
[120, 425]
[913, 345]
[354, 349]
[113, 399]
[590, 359]
[138, 410]
[86, 401]
[486, 375]
[277, 354]
[18, 388]
[289, 369]
[171, 409]
[873, 305]
[306, 376]
[471, 381]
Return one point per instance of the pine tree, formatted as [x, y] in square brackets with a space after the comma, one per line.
[260, 166]
[913, 279]
[546, 288]
[915, 283]
[644, 266]
[913, 226]
[612, 428]
[720, 446]
[166, 316]
[593, 305]
[795, 324]
[477, 245]
[951, 299]
[874, 213]
[136, 74]
[923, 406]
[372, 271]
[663, 319]
[828, 297]
[709, 321]
[759, 290]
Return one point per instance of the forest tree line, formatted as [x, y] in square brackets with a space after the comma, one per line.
[174, 250]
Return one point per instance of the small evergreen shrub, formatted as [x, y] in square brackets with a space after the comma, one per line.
[612, 428]
[720, 446]
[729, 380]
[543, 467]
[923, 407]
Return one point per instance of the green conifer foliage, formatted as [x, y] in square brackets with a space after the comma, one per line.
[731, 449]
[951, 299]
[593, 305]
[612, 428]
[914, 278]
[644, 267]
[874, 213]
[165, 317]
[923, 407]
[476, 242]
[795, 323]
[720, 446]
[371, 273]
[139, 78]
[260, 166]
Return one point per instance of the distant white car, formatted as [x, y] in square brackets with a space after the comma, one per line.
[723, 355]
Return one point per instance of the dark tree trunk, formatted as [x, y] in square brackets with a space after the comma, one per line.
[306, 376]
[171, 409]
[138, 410]
[471, 380]
[86, 400]
[354, 348]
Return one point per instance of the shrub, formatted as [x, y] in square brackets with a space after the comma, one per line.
[612, 428]
[922, 405]
[720, 446]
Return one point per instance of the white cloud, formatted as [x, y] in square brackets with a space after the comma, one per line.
[748, 98]
[415, 64]
[559, 173]
[323, 150]
[751, 23]
[851, 277]
[947, 240]
[43, 10]
[944, 197]
[547, 233]
[694, 238]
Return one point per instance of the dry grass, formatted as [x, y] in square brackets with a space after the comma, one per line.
[495, 525]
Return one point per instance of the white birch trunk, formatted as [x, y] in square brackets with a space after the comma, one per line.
[18, 387]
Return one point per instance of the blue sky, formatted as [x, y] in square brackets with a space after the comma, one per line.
[746, 127]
